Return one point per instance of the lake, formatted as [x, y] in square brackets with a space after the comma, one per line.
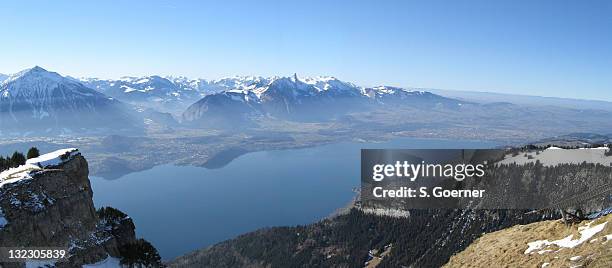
[181, 208]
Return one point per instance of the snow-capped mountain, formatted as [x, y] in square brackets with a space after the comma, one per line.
[207, 87]
[202, 86]
[150, 92]
[309, 99]
[38, 100]
[255, 84]
[170, 94]
[3, 77]
[283, 97]
[387, 95]
[175, 94]
[242, 98]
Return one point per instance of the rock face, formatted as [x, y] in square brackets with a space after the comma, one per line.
[53, 207]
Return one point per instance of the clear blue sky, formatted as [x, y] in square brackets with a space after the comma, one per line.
[551, 48]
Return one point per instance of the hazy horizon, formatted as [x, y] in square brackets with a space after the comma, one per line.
[544, 48]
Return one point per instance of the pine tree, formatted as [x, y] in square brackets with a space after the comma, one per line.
[17, 159]
[4, 163]
[33, 153]
[140, 253]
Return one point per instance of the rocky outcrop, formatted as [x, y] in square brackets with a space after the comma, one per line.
[52, 206]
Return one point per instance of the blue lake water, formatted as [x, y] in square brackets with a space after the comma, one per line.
[181, 208]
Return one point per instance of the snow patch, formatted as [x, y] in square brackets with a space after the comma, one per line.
[24, 172]
[109, 262]
[575, 258]
[39, 264]
[16, 174]
[553, 156]
[608, 238]
[53, 159]
[585, 234]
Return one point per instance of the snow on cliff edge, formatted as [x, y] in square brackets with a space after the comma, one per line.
[53, 158]
[21, 172]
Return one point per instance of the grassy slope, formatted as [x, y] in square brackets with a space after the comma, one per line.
[506, 248]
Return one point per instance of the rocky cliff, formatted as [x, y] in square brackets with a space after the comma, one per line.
[48, 203]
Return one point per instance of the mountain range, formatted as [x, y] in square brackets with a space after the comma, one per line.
[280, 96]
[285, 97]
[36, 101]
[169, 94]
[308, 99]
[153, 91]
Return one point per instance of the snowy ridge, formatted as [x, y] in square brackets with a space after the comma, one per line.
[255, 84]
[39, 100]
[395, 90]
[24, 172]
[307, 86]
[32, 83]
[54, 158]
[245, 84]
[17, 174]
[43, 82]
[303, 99]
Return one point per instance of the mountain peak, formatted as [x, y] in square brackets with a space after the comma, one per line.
[37, 68]
[35, 72]
[35, 79]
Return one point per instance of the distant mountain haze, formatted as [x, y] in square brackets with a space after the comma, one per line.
[487, 97]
